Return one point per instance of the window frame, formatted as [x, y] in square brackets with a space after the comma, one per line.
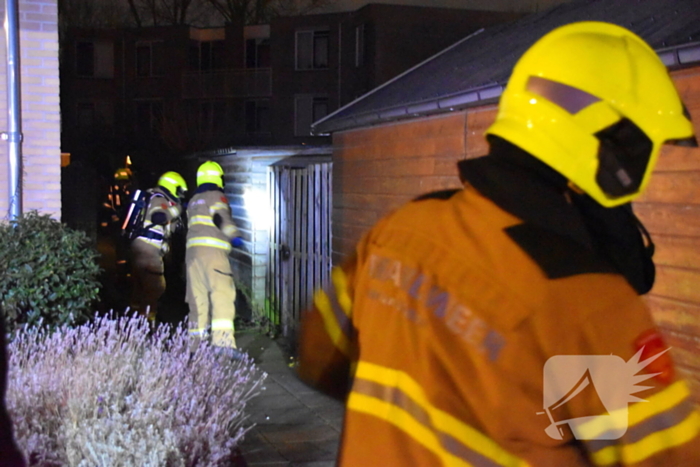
[317, 37]
[154, 125]
[313, 100]
[360, 45]
[154, 69]
[258, 130]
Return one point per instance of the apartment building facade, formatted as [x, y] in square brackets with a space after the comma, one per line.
[157, 92]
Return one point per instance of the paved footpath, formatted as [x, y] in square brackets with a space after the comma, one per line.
[294, 424]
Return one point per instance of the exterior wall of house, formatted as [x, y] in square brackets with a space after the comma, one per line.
[41, 119]
[377, 169]
[670, 210]
[419, 155]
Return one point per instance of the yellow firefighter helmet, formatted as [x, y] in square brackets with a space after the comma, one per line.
[210, 172]
[593, 101]
[174, 183]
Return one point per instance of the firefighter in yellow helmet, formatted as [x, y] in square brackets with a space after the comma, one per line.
[152, 242]
[211, 291]
[501, 324]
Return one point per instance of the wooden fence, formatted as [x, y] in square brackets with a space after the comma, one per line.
[300, 241]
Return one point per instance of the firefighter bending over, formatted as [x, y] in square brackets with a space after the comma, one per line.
[501, 324]
[210, 286]
[162, 212]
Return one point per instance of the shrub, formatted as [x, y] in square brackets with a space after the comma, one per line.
[48, 272]
[113, 393]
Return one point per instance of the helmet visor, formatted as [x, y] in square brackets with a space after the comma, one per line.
[623, 157]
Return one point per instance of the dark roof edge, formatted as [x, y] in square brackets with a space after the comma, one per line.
[284, 150]
[675, 56]
[393, 80]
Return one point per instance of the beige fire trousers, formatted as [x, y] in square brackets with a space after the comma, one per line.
[211, 294]
[148, 281]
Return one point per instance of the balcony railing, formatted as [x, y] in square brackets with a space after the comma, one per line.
[255, 82]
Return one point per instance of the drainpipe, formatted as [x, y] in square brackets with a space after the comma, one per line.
[340, 62]
[14, 134]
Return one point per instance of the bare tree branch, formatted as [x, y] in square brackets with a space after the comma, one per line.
[262, 11]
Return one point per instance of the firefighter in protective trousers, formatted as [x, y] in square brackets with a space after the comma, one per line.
[210, 286]
[153, 242]
[501, 324]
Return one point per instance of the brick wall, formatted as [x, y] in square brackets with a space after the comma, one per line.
[670, 209]
[377, 169]
[41, 119]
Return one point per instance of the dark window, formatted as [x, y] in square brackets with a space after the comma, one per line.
[319, 108]
[257, 117]
[257, 53]
[143, 60]
[212, 55]
[359, 45]
[193, 57]
[85, 59]
[311, 50]
[85, 116]
[308, 109]
[158, 58]
[212, 116]
[206, 56]
[150, 59]
[149, 117]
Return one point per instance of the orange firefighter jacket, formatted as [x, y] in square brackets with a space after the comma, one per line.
[441, 331]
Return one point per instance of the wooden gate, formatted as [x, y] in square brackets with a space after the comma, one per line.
[300, 241]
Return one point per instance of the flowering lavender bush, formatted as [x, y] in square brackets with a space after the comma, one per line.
[112, 393]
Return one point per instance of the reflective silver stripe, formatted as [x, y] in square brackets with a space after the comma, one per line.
[221, 325]
[201, 220]
[397, 398]
[150, 241]
[174, 211]
[210, 242]
[659, 422]
[198, 332]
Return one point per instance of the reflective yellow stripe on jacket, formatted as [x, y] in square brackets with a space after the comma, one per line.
[335, 308]
[209, 242]
[396, 398]
[202, 220]
[662, 421]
